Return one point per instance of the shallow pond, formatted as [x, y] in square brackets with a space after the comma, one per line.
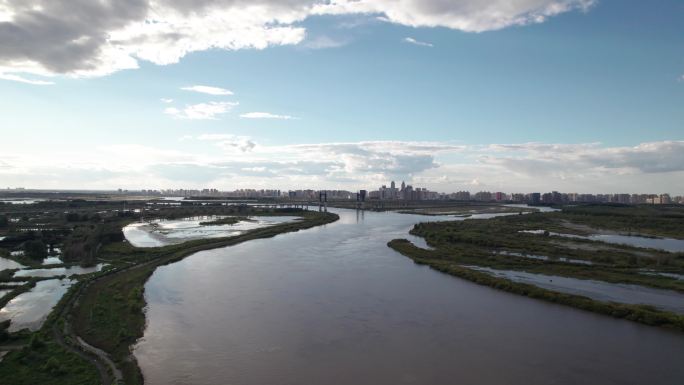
[667, 244]
[663, 274]
[335, 305]
[30, 309]
[167, 232]
[6, 263]
[52, 261]
[21, 201]
[603, 291]
[13, 283]
[55, 272]
[542, 209]
[545, 258]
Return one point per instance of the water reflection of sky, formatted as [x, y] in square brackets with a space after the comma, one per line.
[166, 232]
[6, 263]
[668, 244]
[55, 272]
[603, 291]
[30, 309]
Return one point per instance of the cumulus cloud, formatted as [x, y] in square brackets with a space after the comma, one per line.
[95, 38]
[229, 142]
[217, 91]
[411, 40]
[650, 157]
[464, 15]
[201, 111]
[266, 115]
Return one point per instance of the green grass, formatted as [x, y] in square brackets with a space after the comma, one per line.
[45, 362]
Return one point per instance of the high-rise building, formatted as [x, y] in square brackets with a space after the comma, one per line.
[535, 198]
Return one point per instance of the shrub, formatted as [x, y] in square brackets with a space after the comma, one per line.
[35, 249]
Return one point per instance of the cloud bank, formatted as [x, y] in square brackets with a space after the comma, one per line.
[209, 90]
[86, 38]
[201, 111]
[266, 115]
[230, 161]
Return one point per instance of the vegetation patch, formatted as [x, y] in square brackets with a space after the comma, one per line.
[503, 243]
[639, 313]
[225, 221]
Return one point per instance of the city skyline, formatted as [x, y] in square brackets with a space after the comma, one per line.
[531, 96]
[394, 192]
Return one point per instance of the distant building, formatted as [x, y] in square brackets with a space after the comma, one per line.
[535, 198]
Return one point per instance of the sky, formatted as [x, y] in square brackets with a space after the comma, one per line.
[504, 95]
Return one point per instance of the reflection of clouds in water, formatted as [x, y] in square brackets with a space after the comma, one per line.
[77, 270]
[166, 232]
[603, 291]
[30, 309]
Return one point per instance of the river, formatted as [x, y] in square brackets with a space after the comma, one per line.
[335, 305]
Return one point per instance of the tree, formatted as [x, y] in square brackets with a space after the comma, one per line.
[4, 325]
[4, 222]
[35, 249]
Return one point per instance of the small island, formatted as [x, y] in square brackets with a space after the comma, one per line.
[225, 221]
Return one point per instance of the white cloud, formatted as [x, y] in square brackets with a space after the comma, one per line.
[464, 15]
[201, 111]
[323, 42]
[229, 142]
[21, 79]
[232, 161]
[266, 115]
[208, 90]
[166, 100]
[411, 40]
[95, 38]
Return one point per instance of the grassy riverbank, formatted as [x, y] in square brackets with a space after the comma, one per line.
[109, 313]
[533, 243]
[43, 361]
[41, 358]
[639, 313]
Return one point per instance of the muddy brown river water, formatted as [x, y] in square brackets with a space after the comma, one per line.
[335, 305]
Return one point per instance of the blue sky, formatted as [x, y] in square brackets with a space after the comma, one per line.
[574, 95]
